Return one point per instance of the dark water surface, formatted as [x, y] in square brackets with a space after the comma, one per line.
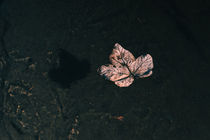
[50, 51]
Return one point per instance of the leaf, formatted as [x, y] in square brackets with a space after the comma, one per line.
[125, 67]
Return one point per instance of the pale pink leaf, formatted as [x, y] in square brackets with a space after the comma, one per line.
[124, 67]
[112, 73]
[121, 56]
[143, 66]
[125, 82]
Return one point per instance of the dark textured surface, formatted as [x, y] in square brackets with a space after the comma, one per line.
[68, 69]
[50, 51]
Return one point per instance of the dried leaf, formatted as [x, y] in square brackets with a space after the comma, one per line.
[121, 56]
[143, 66]
[125, 67]
[120, 118]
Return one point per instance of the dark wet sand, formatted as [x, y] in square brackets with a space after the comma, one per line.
[50, 51]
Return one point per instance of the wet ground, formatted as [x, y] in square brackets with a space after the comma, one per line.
[50, 51]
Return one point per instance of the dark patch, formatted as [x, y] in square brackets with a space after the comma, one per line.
[181, 22]
[147, 72]
[70, 69]
[17, 128]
